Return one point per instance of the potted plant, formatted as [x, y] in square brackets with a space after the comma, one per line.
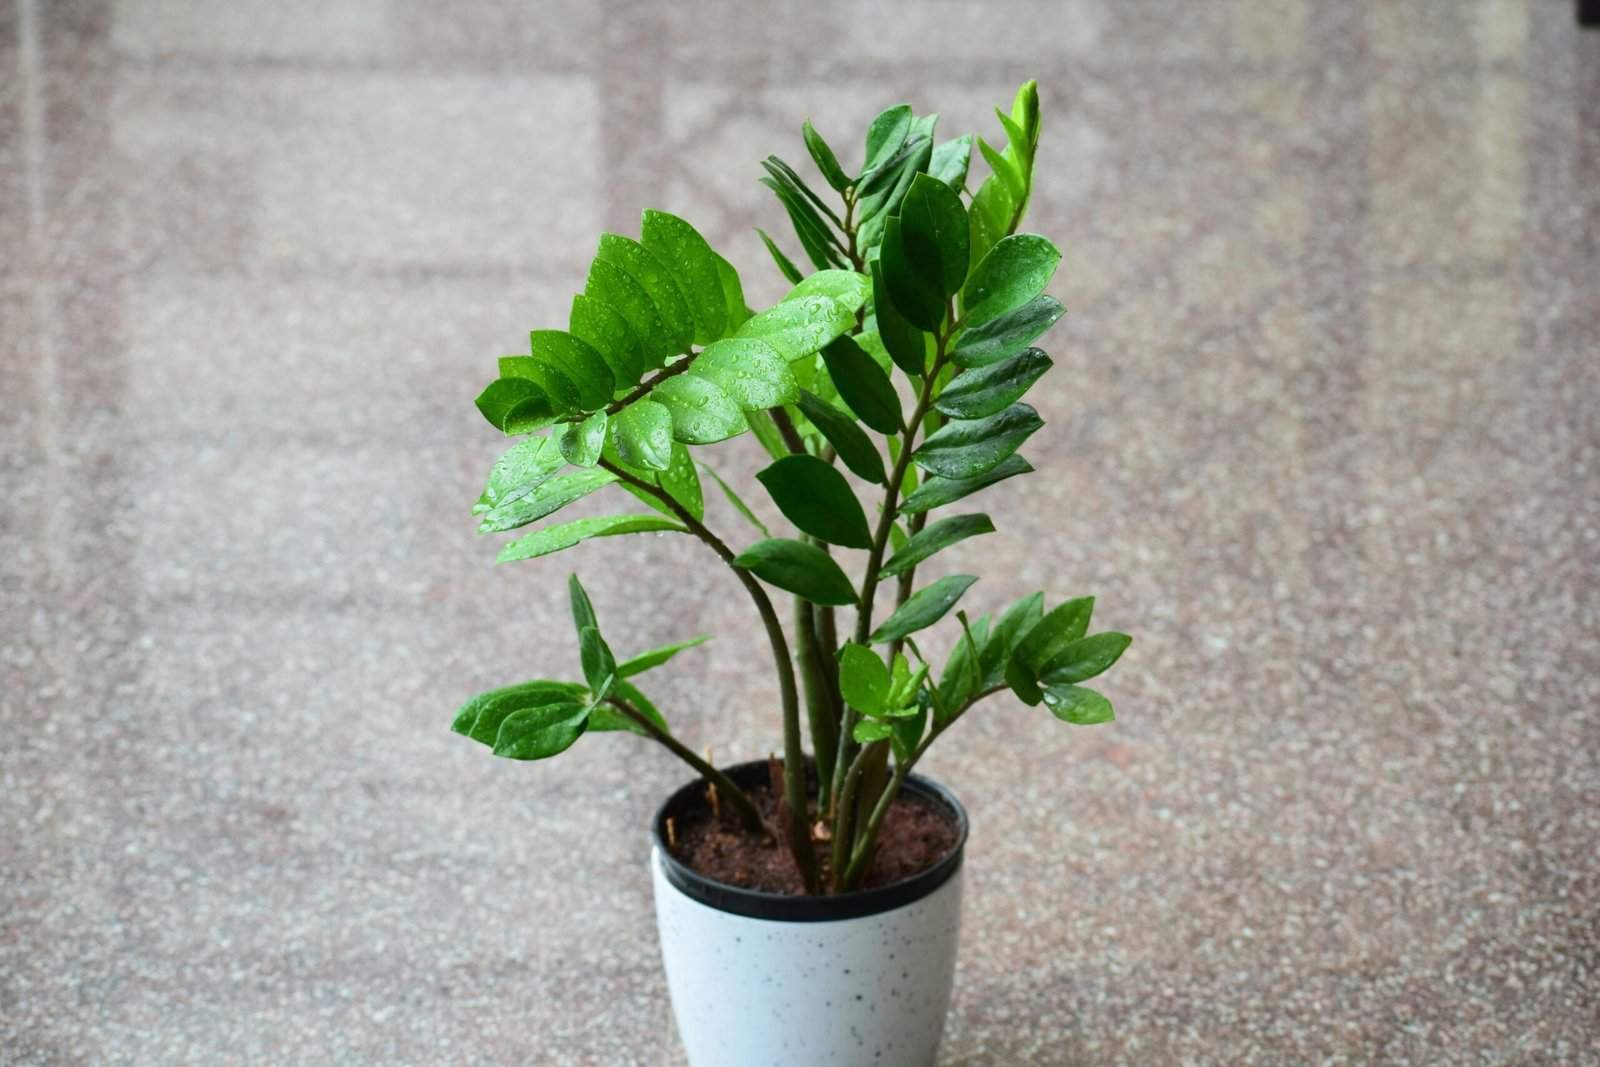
[808, 904]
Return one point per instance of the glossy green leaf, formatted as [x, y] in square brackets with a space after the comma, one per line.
[616, 288]
[875, 209]
[866, 731]
[1078, 705]
[480, 717]
[968, 448]
[737, 501]
[1065, 623]
[679, 482]
[937, 492]
[1080, 660]
[577, 362]
[827, 163]
[701, 413]
[906, 730]
[799, 328]
[936, 538]
[599, 665]
[913, 279]
[854, 447]
[950, 161]
[786, 265]
[541, 732]
[933, 229]
[583, 616]
[799, 568]
[1005, 337]
[547, 499]
[582, 442]
[693, 264]
[605, 717]
[1016, 623]
[924, 607]
[655, 657]
[563, 393]
[846, 287]
[906, 344]
[815, 237]
[749, 371]
[657, 280]
[816, 498]
[960, 682]
[642, 434]
[524, 467]
[790, 178]
[990, 215]
[863, 679]
[1014, 272]
[863, 385]
[1006, 170]
[984, 391]
[503, 395]
[886, 135]
[604, 329]
[555, 538]
[733, 294]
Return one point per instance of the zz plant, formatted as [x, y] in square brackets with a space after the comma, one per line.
[898, 365]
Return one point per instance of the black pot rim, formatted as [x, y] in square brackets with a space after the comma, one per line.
[780, 907]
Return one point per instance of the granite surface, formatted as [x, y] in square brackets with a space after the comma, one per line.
[1323, 434]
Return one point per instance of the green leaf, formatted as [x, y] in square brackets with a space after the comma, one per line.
[991, 216]
[950, 161]
[815, 237]
[616, 288]
[748, 370]
[985, 391]
[694, 265]
[968, 448]
[827, 163]
[924, 608]
[790, 179]
[555, 538]
[603, 329]
[935, 538]
[583, 616]
[885, 136]
[906, 344]
[815, 497]
[658, 281]
[1009, 630]
[786, 265]
[1077, 705]
[1080, 660]
[799, 328]
[547, 499]
[582, 442]
[906, 731]
[561, 390]
[844, 286]
[1014, 272]
[655, 657]
[538, 733]
[733, 294]
[875, 209]
[961, 678]
[642, 434]
[799, 568]
[1004, 337]
[605, 717]
[1064, 624]
[1006, 170]
[701, 413]
[503, 395]
[863, 385]
[863, 679]
[933, 229]
[913, 278]
[480, 717]
[577, 362]
[854, 446]
[937, 492]
[738, 503]
[866, 731]
[679, 482]
[599, 665]
[524, 467]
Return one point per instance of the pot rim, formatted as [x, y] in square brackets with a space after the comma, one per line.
[780, 907]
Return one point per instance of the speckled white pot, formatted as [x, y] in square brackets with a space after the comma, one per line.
[759, 980]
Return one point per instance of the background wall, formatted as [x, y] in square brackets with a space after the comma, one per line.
[1321, 433]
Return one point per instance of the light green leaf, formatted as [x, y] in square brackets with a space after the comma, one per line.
[733, 294]
[799, 568]
[1014, 272]
[582, 442]
[863, 385]
[969, 448]
[599, 665]
[738, 503]
[906, 731]
[480, 717]
[503, 395]
[815, 497]
[655, 657]
[827, 163]
[1080, 660]
[846, 287]
[642, 434]
[1002, 338]
[990, 214]
[748, 370]
[701, 413]
[933, 229]
[657, 280]
[786, 265]
[1078, 705]
[694, 265]
[924, 608]
[799, 328]
[583, 616]
[616, 288]
[604, 329]
[548, 376]
[538, 733]
[935, 538]
[608, 718]
[885, 136]
[679, 481]
[547, 499]
[866, 731]
[555, 538]
[950, 161]
[854, 446]
[1006, 170]
[937, 492]
[577, 362]
[863, 679]
[985, 391]
[906, 344]
[523, 468]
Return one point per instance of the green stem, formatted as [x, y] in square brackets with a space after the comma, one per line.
[845, 821]
[644, 387]
[820, 713]
[794, 760]
[749, 814]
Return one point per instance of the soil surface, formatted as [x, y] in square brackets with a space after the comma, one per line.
[916, 834]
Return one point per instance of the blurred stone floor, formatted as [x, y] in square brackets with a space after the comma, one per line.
[1322, 434]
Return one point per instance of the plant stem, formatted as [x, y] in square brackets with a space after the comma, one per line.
[749, 814]
[651, 382]
[820, 712]
[844, 821]
[794, 760]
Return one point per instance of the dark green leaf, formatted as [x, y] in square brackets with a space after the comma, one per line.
[985, 391]
[937, 492]
[555, 538]
[583, 616]
[1014, 272]
[906, 344]
[616, 288]
[655, 657]
[606, 717]
[933, 230]
[748, 370]
[935, 538]
[733, 293]
[1009, 630]
[1080, 660]
[642, 434]
[968, 448]
[701, 413]
[799, 328]
[863, 679]
[906, 731]
[538, 733]
[604, 329]
[827, 163]
[1065, 623]
[523, 468]
[816, 498]
[738, 503]
[599, 665]
[480, 717]
[924, 608]
[799, 568]
[950, 161]
[785, 174]
[503, 395]
[885, 136]
[547, 499]
[582, 442]
[912, 278]
[694, 265]
[786, 265]
[854, 447]
[862, 385]
[657, 280]
[1077, 705]
[577, 362]
[815, 237]
[1004, 337]
[961, 680]
[874, 211]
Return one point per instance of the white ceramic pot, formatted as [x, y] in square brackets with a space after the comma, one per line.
[856, 980]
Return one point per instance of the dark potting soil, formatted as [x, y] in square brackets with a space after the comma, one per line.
[915, 835]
